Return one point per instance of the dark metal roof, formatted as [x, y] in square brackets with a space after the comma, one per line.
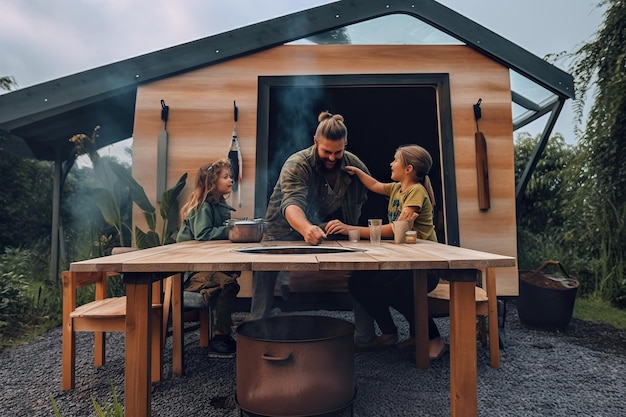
[46, 115]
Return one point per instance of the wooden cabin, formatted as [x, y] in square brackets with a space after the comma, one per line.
[388, 95]
[377, 65]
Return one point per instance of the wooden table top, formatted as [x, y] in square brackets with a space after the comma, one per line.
[222, 256]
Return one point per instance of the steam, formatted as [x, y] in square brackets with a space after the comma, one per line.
[293, 120]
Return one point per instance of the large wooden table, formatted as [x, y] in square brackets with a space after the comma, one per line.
[460, 266]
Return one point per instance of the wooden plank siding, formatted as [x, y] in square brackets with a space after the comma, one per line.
[201, 122]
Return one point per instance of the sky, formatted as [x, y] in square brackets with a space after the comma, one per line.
[41, 40]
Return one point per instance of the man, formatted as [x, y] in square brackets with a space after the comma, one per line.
[311, 190]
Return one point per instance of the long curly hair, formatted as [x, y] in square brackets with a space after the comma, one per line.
[205, 189]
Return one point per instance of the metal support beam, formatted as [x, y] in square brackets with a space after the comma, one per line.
[533, 114]
[536, 154]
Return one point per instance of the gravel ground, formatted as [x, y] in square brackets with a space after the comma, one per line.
[579, 372]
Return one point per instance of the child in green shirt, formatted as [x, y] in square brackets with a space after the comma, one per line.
[203, 216]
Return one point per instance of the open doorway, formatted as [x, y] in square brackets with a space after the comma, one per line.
[381, 113]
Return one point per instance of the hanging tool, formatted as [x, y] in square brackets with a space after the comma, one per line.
[482, 167]
[234, 155]
[162, 153]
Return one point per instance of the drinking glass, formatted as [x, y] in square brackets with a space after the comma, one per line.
[354, 235]
[374, 226]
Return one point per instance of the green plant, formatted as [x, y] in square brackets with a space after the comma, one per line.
[27, 298]
[117, 183]
[108, 194]
[113, 409]
[168, 209]
[596, 206]
[13, 303]
[26, 196]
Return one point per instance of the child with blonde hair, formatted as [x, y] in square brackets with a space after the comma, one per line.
[203, 217]
[410, 198]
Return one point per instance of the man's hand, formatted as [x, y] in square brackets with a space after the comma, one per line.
[313, 235]
[335, 227]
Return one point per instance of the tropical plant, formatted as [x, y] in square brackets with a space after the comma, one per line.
[109, 195]
[118, 185]
[168, 208]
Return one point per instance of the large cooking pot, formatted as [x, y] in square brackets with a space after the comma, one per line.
[295, 365]
[244, 230]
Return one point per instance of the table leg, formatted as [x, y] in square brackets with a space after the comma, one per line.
[463, 362]
[178, 366]
[494, 343]
[420, 298]
[138, 352]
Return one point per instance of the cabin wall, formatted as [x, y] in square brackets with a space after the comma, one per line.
[201, 122]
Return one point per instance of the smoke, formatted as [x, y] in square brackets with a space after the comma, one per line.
[293, 120]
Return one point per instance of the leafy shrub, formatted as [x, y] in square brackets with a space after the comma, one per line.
[26, 196]
[13, 303]
[27, 297]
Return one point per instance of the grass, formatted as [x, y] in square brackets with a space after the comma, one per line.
[597, 310]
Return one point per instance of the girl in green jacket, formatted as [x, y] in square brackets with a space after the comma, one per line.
[203, 216]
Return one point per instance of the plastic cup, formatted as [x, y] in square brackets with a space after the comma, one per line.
[354, 235]
[374, 226]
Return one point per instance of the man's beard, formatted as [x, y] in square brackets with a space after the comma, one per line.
[323, 168]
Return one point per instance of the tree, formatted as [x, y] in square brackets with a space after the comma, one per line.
[541, 222]
[8, 83]
[597, 210]
[541, 205]
[25, 200]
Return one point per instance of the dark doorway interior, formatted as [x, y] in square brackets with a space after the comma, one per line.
[380, 116]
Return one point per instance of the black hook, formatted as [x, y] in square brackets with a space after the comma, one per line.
[165, 110]
[477, 111]
[236, 111]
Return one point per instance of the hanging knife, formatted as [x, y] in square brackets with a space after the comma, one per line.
[162, 153]
[482, 167]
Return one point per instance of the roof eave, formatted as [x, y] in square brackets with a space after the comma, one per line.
[54, 98]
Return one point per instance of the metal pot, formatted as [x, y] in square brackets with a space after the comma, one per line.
[244, 230]
[295, 365]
